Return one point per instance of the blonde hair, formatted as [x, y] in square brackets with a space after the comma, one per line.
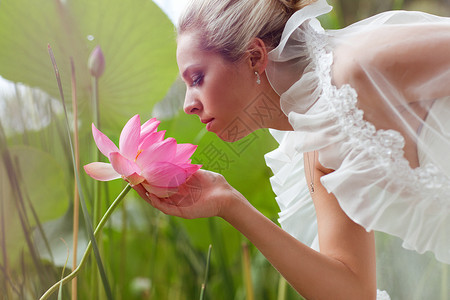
[228, 26]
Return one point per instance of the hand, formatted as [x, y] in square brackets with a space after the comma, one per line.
[204, 194]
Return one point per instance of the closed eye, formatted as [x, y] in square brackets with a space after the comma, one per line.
[197, 79]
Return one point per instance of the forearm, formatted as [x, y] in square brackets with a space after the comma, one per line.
[312, 274]
[345, 268]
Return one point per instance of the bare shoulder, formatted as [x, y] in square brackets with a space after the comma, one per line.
[402, 55]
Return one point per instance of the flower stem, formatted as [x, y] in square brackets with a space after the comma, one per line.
[76, 197]
[98, 229]
[87, 219]
[95, 289]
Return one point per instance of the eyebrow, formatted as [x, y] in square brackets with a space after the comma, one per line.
[188, 69]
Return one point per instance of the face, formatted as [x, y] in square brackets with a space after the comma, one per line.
[218, 91]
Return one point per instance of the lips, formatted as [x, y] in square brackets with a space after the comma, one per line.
[208, 123]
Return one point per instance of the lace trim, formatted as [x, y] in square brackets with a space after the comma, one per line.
[382, 295]
[384, 146]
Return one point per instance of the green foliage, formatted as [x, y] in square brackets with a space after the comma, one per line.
[137, 40]
[41, 191]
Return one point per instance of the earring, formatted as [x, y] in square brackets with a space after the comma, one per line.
[258, 78]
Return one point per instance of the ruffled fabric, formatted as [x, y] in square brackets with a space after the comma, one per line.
[298, 215]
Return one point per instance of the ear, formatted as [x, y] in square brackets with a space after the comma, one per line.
[257, 55]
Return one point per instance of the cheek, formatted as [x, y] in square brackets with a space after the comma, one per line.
[229, 92]
[240, 90]
[221, 96]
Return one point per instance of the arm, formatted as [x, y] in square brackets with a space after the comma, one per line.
[345, 268]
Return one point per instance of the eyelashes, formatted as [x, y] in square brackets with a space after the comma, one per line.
[197, 79]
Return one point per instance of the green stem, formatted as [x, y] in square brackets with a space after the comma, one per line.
[205, 281]
[282, 284]
[98, 229]
[218, 240]
[123, 255]
[87, 220]
[246, 267]
[97, 203]
[96, 109]
[76, 195]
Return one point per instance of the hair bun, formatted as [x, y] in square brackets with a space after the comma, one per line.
[293, 5]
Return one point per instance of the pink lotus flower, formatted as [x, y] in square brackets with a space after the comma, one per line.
[145, 157]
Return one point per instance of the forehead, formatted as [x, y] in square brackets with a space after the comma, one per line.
[190, 53]
[188, 46]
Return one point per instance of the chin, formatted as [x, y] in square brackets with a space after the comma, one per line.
[230, 138]
[234, 130]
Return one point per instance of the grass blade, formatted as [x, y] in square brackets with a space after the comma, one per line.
[77, 177]
[99, 227]
[76, 198]
[218, 241]
[205, 281]
[246, 266]
[64, 269]
[11, 166]
[282, 288]
[5, 266]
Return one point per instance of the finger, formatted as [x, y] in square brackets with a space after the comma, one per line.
[140, 190]
[181, 198]
[190, 192]
[165, 206]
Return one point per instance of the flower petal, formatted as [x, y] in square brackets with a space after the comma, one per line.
[161, 192]
[129, 138]
[104, 144]
[122, 165]
[190, 168]
[165, 174]
[184, 152]
[158, 152]
[149, 127]
[135, 179]
[101, 171]
[151, 139]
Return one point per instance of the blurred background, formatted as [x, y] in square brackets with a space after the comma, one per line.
[146, 255]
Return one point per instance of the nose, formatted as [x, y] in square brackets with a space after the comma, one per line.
[191, 104]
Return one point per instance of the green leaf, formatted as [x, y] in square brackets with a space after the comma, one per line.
[55, 230]
[136, 37]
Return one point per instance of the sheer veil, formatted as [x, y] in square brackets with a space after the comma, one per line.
[385, 132]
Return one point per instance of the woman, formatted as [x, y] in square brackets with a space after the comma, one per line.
[362, 116]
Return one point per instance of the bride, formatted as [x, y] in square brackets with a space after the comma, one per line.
[362, 115]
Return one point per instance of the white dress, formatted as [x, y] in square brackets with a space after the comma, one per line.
[372, 180]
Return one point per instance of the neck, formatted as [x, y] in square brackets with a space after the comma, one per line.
[268, 108]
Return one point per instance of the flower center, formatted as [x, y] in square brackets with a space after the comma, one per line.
[138, 153]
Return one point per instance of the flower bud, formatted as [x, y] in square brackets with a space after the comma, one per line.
[96, 62]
